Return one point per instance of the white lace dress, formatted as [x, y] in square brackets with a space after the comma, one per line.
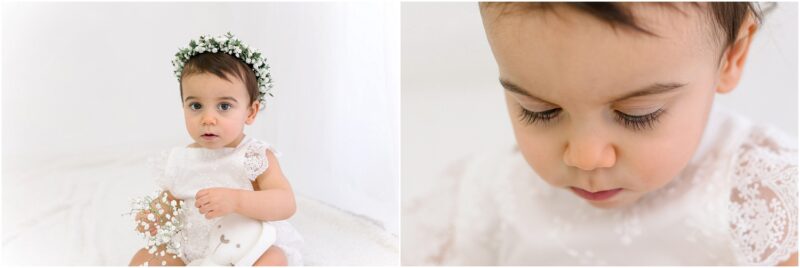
[184, 171]
[734, 204]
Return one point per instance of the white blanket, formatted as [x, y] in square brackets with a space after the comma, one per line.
[69, 212]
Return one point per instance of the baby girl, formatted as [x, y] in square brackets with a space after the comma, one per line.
[621, 158]
[225, 177]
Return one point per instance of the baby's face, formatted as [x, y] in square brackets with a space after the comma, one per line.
[216, 110]
[609, 115]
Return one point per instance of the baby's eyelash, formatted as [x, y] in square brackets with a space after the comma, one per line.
[530, 117]
[633, 122]
[639, 122]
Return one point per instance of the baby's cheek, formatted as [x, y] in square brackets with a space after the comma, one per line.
[657, 165]
[542, 155]
[664, 158]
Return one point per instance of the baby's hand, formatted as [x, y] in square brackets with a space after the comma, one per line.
[217, 202]
[155, 216]
[142, 217]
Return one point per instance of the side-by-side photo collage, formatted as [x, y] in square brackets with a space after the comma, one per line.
[399, 133]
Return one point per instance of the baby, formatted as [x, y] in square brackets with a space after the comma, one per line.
[230, 183]
[621, 158]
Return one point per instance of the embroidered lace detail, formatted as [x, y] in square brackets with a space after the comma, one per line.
[255, 159]
[763, 208]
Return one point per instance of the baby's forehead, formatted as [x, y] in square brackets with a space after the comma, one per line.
[666, 21]
[208, 86]
[563, 53]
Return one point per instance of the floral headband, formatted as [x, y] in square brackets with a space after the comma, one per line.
[234, 47]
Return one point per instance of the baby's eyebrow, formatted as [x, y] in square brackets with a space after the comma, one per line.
[228, 98]
[519, 90]
[656, 88]
[220, 98]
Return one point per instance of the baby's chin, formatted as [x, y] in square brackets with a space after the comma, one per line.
[216, 143]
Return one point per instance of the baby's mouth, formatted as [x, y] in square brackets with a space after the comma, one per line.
[209, 136]
[596, 196]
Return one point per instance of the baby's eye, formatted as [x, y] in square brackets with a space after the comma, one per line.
[531, 117]
[195, 106]
[632, 122]
[639, 122]
[224, 106]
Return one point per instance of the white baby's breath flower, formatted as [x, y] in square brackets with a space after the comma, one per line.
[163, 231]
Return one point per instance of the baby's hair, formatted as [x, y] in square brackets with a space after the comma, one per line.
[221, 65]
[727, 16]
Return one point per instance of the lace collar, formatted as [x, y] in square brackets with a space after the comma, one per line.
[205, 153]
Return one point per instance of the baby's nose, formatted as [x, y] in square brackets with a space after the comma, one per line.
[588, 151]
[590, 156]
[209, 119]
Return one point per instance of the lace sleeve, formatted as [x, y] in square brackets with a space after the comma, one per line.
[763, 208]
[158, 169]
[255, 159]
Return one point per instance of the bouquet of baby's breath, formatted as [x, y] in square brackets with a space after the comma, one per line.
[164, 216]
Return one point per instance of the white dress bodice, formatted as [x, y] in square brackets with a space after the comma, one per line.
[735, 203]
[184, 171]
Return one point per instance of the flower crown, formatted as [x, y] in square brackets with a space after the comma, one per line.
[234, 47]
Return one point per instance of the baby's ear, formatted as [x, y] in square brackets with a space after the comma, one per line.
[252, 111]
[734, 57]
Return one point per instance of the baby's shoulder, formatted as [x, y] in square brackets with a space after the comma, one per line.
[763, 207]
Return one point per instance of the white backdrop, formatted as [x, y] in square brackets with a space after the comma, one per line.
[449, 86]
[86, 78]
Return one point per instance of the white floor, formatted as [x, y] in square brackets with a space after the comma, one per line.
[69, 212]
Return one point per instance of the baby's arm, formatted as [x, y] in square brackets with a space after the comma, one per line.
[272, 200]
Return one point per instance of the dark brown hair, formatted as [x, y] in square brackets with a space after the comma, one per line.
[727, 16]
[222, 65]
